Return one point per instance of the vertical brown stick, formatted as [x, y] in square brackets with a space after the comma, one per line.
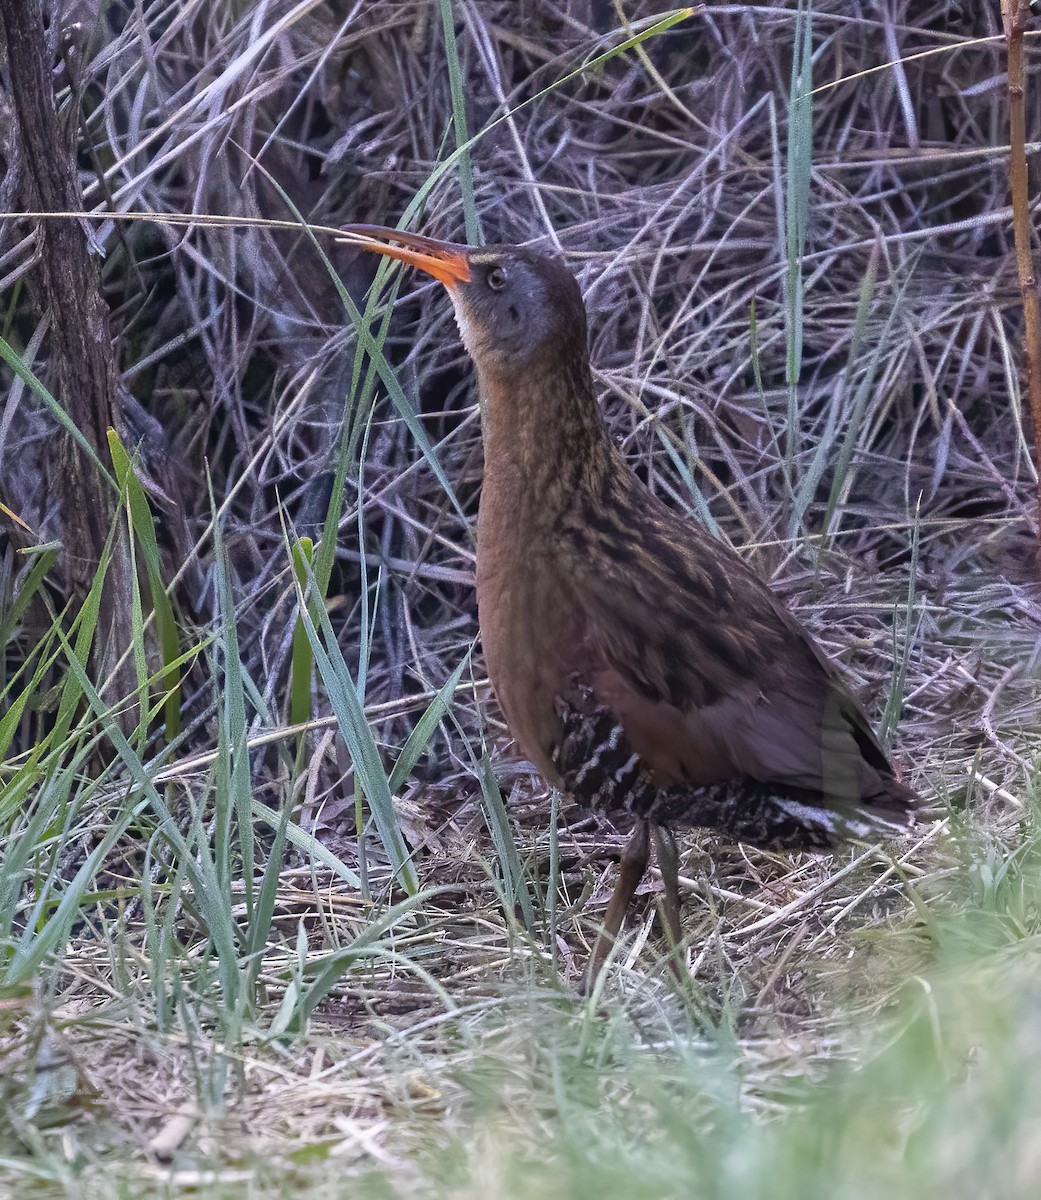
[79, 342]
[1016, 14]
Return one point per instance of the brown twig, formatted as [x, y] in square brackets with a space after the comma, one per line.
[1016, 14]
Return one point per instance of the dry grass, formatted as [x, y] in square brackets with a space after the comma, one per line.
[894, 513]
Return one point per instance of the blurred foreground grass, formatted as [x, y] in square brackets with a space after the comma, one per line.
[922, 1082]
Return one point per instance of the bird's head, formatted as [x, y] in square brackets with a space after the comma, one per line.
[513, 306]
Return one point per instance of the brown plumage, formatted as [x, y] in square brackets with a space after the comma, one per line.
[639, 662]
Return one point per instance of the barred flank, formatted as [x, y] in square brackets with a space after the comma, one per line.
[601, 771]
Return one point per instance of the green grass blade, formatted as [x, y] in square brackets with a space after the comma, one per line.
[462, 137]
[423, 730]
[365, 623]
[17, 699]
[301, 671]
[234, 790]
[796, 212]
[361, 745]
[308, 845]
[840, 482]
[213, 900]
[84, 627]
[902, 652]
[137, 636]
[16, 363]
[824, 453]
[143, 527]
[42, 939]
[43, 558]
[514, 883]
[328, 969]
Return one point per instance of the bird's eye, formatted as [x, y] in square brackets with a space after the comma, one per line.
[496, 279]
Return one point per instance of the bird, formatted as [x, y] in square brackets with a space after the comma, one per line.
[641, 664]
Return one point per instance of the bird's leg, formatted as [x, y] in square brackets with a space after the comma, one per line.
[634, 863]
[669, 863]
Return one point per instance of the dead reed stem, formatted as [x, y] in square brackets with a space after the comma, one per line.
[80, 344]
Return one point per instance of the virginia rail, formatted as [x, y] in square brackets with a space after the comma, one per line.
[639, 662]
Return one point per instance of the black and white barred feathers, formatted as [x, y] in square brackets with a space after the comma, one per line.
[601, 771]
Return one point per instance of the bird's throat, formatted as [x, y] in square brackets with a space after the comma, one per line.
[544, 436]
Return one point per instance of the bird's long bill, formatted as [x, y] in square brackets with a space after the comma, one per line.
[446, 261]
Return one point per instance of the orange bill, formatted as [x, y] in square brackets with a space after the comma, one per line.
[448, 262]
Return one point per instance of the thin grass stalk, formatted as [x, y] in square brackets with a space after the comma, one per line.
[366, 617]
[308, 845]
[142, 528]
[56, 902]
[301, 671]
[359, 397]
[471, 217]
[41, 559]
[656, 26]
[423, 730]
[553, 882]
[258, 934]
[514, 879]
[342, 691]
[1016, 16]
[902, 652]
[159, 915]
[796, 213]
[137, 630]
[362, 840]
[41, 792]
[232, 774]
[824, 453]
[14, 360]
[81, 638]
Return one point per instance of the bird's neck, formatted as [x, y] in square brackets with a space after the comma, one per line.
[544, 436]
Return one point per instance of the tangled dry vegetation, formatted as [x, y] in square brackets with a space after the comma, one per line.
[888, 495]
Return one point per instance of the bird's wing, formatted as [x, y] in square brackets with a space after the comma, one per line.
[709, 674]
